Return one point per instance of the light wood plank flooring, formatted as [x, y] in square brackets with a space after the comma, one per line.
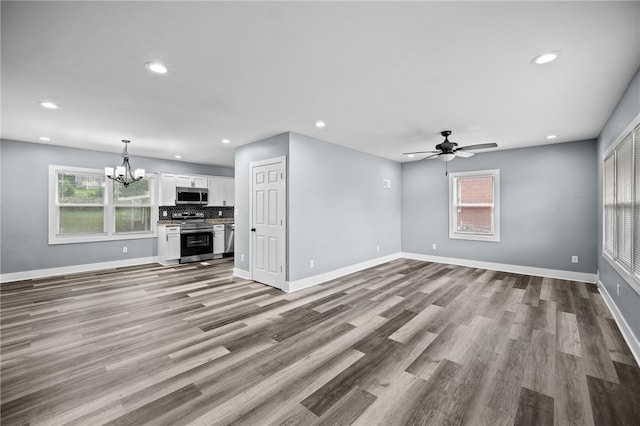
[404, 343]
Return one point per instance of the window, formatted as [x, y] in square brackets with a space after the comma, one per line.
[474, 205]
[80, 203]
[132, 207]
[621, 212]
[84, 206]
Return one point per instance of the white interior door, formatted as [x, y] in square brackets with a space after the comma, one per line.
[268, 221]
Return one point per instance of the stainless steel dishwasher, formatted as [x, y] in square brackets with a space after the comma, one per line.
[229, 230]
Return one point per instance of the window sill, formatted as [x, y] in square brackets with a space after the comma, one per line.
[633, 282]
[474, 237]
[100, 237]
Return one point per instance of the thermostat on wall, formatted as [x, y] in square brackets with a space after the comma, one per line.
[386, 183]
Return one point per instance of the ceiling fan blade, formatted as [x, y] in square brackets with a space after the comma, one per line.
[420, 152]
[463, 154]
[479, 146]
[431, 156]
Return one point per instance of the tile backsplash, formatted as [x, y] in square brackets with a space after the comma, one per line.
[209, 212]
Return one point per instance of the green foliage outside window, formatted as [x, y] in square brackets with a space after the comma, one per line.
[83, 208]
[81, 220]
[80, 189]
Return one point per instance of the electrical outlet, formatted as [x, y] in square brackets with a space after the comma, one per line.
[164, 213]
[574, 259]
[311, 264]
[220, 213]
[125, 249]
[433, 246]
[242, 258]
[618, 289]
[377, 248]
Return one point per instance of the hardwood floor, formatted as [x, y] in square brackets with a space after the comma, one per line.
[407, 342]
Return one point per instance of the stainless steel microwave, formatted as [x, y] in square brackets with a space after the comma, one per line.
[193, 196]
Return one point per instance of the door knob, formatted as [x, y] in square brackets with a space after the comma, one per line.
[253, 229]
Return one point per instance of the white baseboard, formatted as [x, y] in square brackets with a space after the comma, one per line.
[241, 273]
[64, 270]
[296, 285]
[504, 267]
[627, 333]
[320, 278]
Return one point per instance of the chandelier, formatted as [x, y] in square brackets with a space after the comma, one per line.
[123, 173]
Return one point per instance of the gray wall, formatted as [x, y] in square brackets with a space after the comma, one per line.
[547, 207]
[338, 209]
[275, 146]
[24, 185]
[628, 109]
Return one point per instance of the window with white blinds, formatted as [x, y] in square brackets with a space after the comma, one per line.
[636, 205]
[609, 203]
[621, 215]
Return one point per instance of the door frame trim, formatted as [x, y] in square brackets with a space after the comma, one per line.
[275, 160]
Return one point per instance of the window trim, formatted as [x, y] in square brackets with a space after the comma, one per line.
[626, 273]
[453, 234]
[109, 233]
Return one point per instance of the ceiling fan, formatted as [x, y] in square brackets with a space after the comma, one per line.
[447, 151]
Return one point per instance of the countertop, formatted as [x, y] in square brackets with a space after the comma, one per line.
[222, 220]
[216, 221]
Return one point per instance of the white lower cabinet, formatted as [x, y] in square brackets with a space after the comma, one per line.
[168, 244]
[218, 240]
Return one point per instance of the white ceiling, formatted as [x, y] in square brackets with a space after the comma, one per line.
[386, 77]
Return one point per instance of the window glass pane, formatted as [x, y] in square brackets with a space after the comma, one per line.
[133, 219]
[474, 210]
[80, 189]
[624, 198]
[636, 252]
[609, 203]
[475, 220]
[137, 193]
[474, 190]
[81, 220]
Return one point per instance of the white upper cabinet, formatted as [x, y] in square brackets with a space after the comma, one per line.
[167, 189]
[230, 192]
[221, 191]
[191, 181]
[216, 191]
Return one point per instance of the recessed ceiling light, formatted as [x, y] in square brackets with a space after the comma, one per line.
[44, 138]
[225, 141]
[410, 155]
[156, 67]
[545, 58]
[320, 123]
[552, 136]
[178, 156]
[48, 104]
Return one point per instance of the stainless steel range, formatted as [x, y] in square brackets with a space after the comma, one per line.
[196, 237]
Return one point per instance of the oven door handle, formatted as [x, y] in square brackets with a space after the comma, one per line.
[196, 231]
